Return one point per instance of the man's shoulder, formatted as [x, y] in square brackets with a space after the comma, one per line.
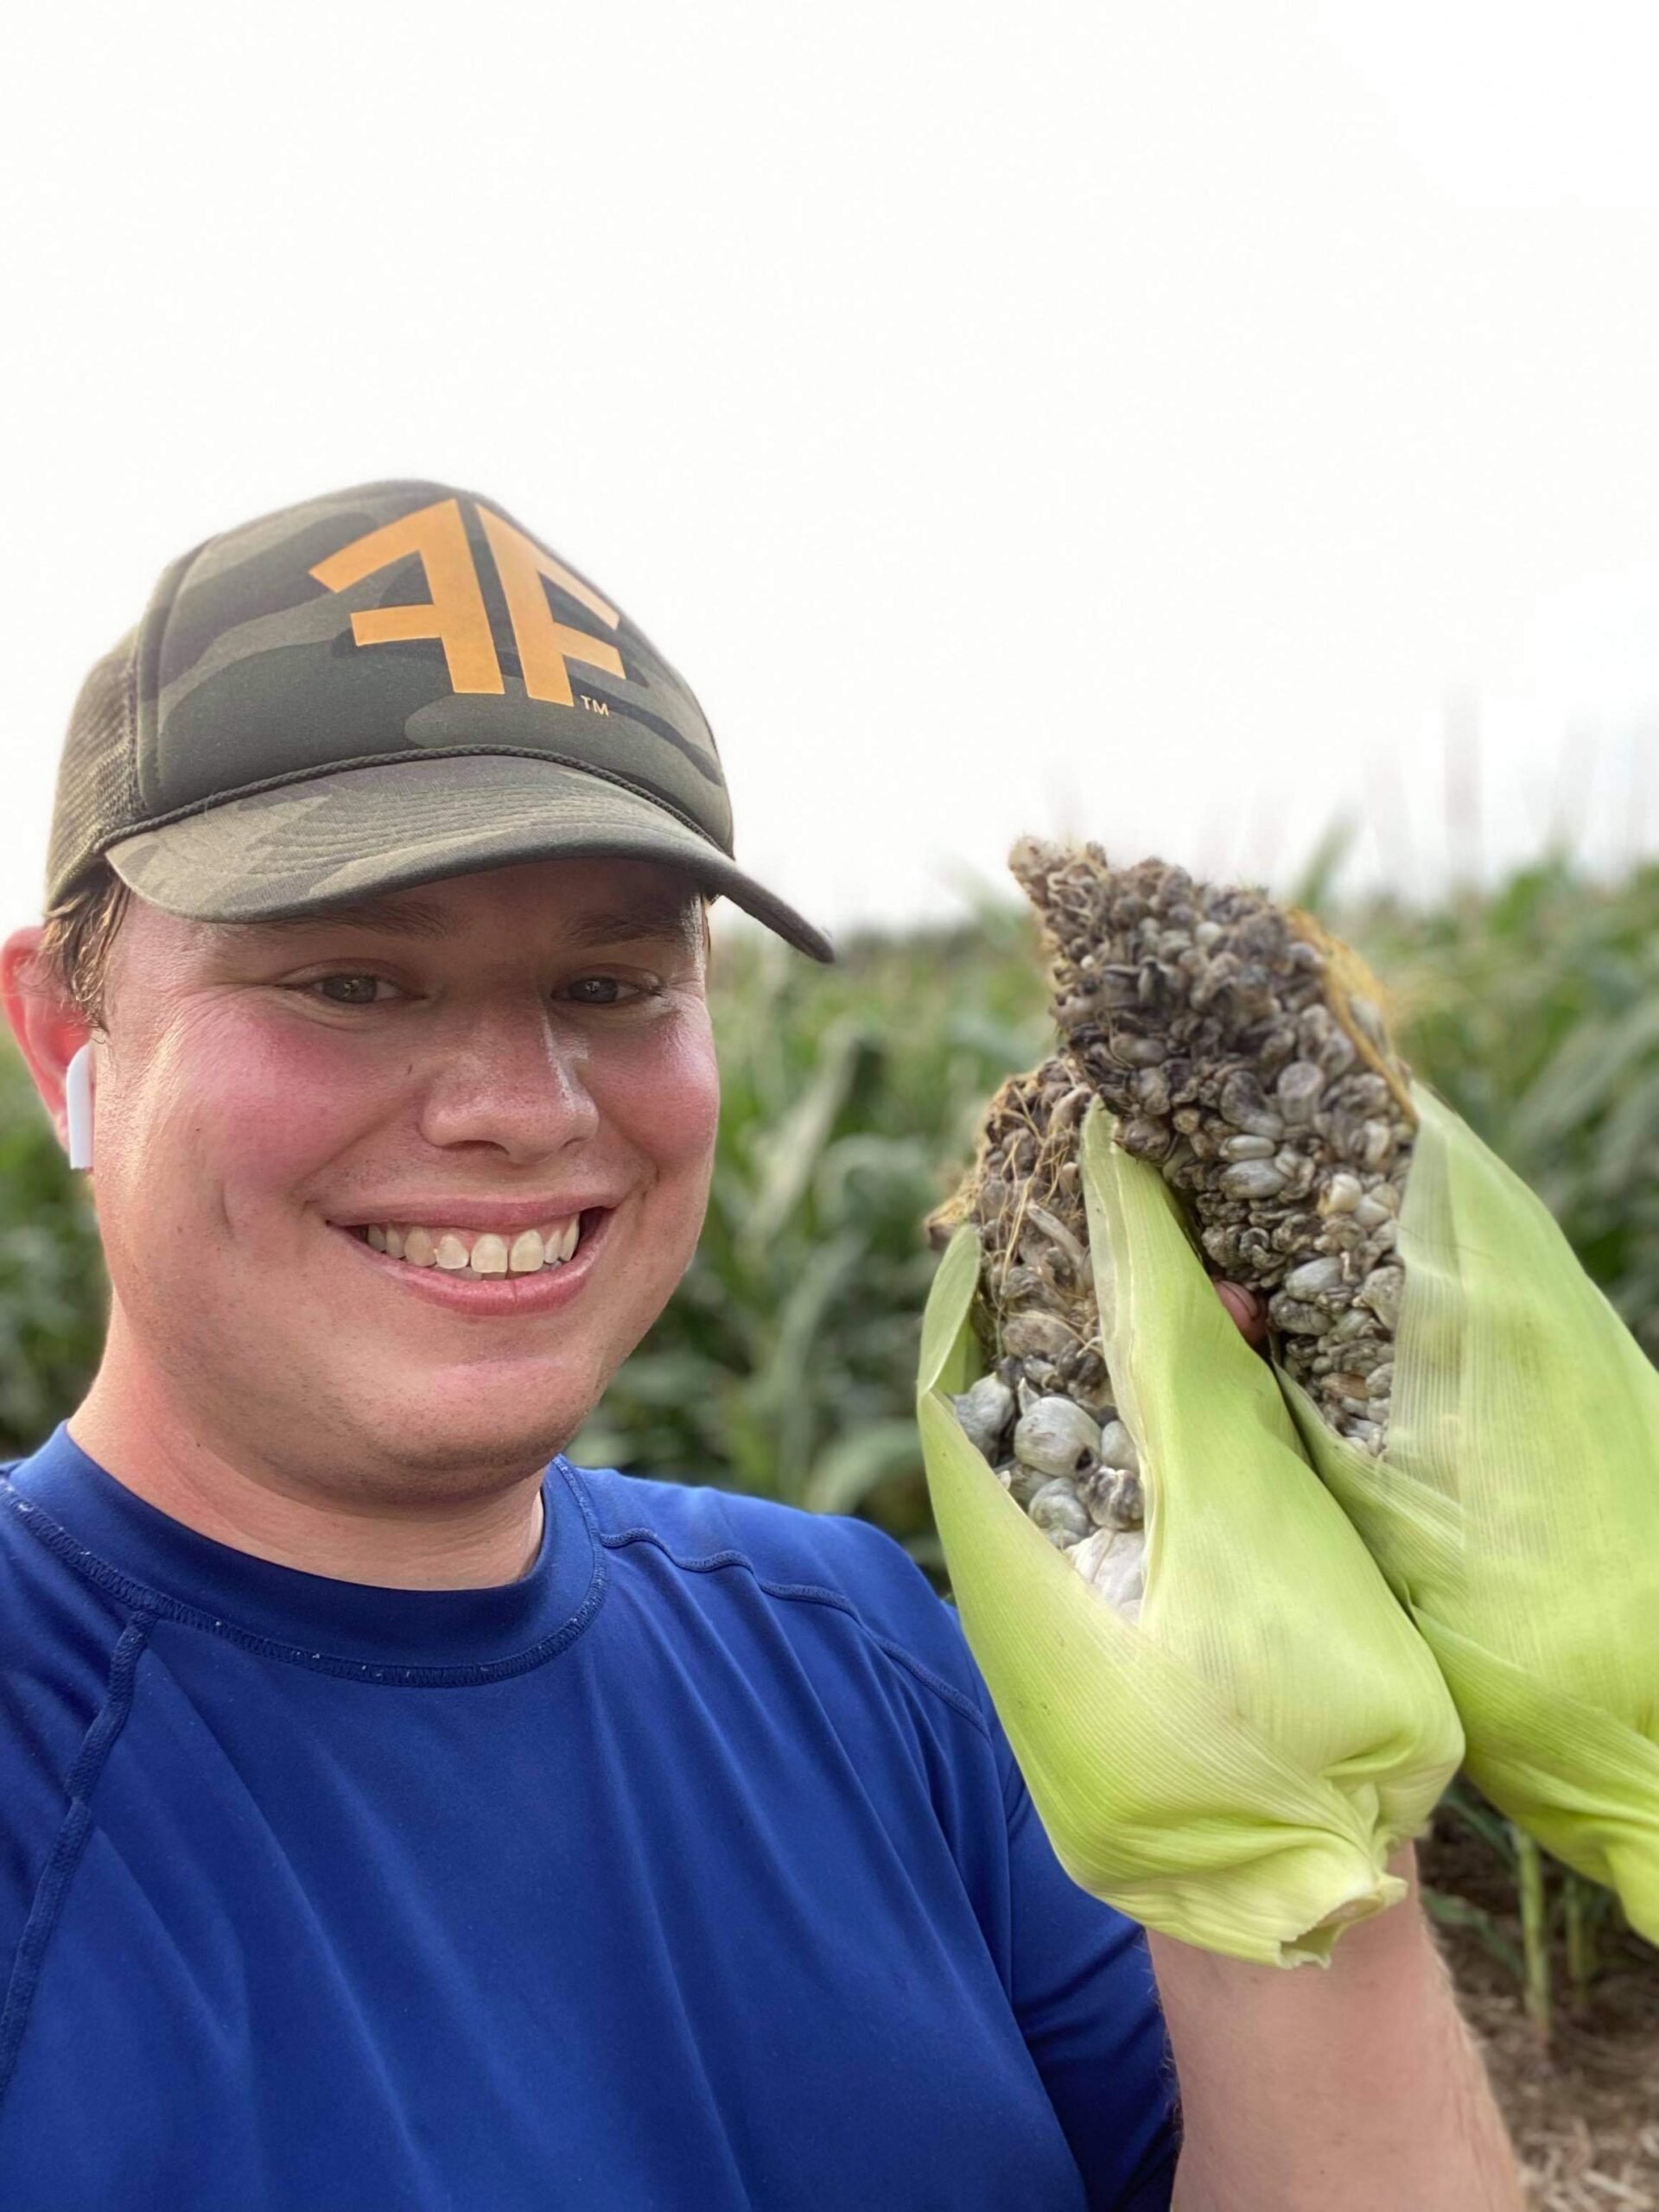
[823, 1559]
[701, 1523]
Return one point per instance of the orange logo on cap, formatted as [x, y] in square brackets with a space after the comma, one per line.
[455, 613]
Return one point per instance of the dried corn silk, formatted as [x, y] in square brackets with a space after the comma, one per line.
[1044, 1414]
[1244, 1052]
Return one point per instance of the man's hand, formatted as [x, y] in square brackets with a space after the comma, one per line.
[1353, 2088]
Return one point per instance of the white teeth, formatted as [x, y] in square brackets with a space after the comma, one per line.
[527, 1254]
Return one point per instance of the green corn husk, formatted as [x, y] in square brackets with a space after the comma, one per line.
[1515, 1508]
[1236, 1769]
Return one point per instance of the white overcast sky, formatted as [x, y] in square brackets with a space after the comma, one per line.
[1132, 421]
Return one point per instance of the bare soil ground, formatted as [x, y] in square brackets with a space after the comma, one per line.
[1584, 2115]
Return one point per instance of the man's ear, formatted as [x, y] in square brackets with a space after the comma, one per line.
[49, 1029]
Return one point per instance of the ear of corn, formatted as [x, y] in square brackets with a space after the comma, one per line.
[1516, 1508]
[1487, 1421]
[1236, 1767]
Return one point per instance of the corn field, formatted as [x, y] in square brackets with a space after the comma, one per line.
[785, 1364]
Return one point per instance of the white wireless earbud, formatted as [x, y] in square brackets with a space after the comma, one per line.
[78, 1106]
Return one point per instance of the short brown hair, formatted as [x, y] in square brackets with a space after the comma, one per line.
[78, 938]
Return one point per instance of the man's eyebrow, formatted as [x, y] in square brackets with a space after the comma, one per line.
[656, 916]
[670, 917]
[396, 917]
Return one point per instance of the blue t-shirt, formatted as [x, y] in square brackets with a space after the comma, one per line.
[692, 1870]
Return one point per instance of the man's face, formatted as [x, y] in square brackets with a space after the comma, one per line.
[493, 1057]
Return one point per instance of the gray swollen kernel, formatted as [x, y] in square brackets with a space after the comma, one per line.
[1296, 1317]
[1036, 1335]
[1023, 1483]
[1244, 1104]
[1060, 1513]
[1115, 1562]
[1342, 1193]
[986, 1413]
[1243, 1147]
[1383, 1294]
[1298, 1090]
[1314, 1277]
[1057, 1437]
[1117, 1448]
[1376, 1143]
[1251, 1178]
[1113, 1499]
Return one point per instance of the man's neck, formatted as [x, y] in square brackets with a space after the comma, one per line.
[404, 1541]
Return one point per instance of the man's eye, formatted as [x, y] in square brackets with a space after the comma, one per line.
[350, 990]
[608, 986]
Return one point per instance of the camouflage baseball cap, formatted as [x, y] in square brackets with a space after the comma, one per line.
[375, 688]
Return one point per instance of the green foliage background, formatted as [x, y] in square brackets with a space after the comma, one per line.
[786, 1362]
[52, 1297]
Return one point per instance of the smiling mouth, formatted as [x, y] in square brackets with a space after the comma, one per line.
[476, 1255]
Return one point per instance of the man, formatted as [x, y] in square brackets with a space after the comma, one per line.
[391, 1814]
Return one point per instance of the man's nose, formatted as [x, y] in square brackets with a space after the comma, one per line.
[512, 1078]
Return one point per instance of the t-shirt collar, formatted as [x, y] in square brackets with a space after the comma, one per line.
[115, 1537]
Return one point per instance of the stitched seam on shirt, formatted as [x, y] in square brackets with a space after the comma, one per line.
[69, 1843]
[109, 1579]
[811, 1593]
[1013, 1782]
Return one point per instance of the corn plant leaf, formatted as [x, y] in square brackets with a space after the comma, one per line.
[851, 1469]
[789, 1155]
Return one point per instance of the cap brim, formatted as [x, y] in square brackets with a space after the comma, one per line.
[301, 847]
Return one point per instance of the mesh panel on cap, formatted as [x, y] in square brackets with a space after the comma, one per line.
[98, 793]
